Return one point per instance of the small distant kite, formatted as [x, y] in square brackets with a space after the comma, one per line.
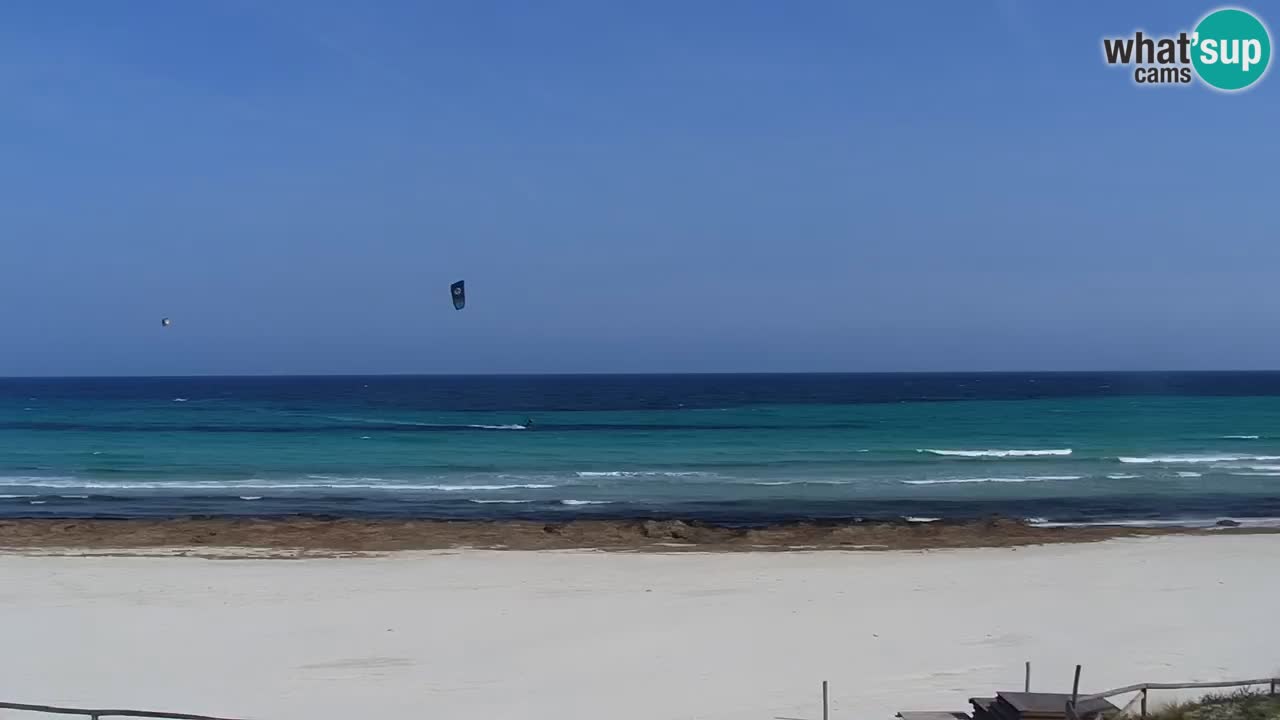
[459, 292]
[164, 322]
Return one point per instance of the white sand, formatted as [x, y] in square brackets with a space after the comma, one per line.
[618, 637]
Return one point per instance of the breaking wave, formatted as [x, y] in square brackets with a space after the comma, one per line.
[778, 483]
[1180, 459]
[953, 481]
[1203, 523]
[71, 483]
[639, 473]
[412, 423]
[995, 453]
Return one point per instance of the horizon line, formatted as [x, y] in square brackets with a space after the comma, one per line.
[654, 373]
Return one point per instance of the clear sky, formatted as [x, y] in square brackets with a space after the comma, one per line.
[666, 185]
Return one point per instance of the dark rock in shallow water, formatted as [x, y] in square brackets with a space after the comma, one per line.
[665, 529]
[1228, 523]
[845, 536]
[1000, 522]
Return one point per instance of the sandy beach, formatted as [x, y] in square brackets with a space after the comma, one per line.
[628, 636]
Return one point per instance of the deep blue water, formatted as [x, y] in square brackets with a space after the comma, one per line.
[1060, 447]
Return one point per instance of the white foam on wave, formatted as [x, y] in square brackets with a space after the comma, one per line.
[450, 488]
[34, 480]
[1240, 437]
[1256, 474]
[257, 484]
[585, 502]
[1188, 474]
[776, 483]
[498, 502]
[1122, 476]
[912, 519]
[412, 423]
[952, 481]
[250, 497]
[1182, 459]
[639, 473]
[996, 453]
[15, 497]
[376, 421]
[179, 399]
[1205, 523]
[1249, 466]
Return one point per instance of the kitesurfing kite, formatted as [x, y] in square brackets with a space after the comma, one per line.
[459, 292]
[164, 322]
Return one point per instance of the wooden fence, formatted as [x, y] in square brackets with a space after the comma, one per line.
[95, 714]
[1145, 688]
[1076, 699]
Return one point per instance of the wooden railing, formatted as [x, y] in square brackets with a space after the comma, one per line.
[1144, 688]
[95, 714]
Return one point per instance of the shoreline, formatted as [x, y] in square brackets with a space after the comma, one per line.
[671, 535]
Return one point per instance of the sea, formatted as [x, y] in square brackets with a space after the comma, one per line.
[1051, 448]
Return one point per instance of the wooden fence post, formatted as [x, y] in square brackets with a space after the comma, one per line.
[824, 700]
[1144, 702]
[1075, 686]
[1026, 683]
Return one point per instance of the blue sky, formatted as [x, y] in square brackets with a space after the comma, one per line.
[643, 186]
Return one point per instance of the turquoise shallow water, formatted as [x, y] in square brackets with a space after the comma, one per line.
[1057, 447]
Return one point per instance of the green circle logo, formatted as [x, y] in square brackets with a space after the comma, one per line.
[1232, 49]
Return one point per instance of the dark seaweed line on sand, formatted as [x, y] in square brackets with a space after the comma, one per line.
[664, 535]
[88, 504]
